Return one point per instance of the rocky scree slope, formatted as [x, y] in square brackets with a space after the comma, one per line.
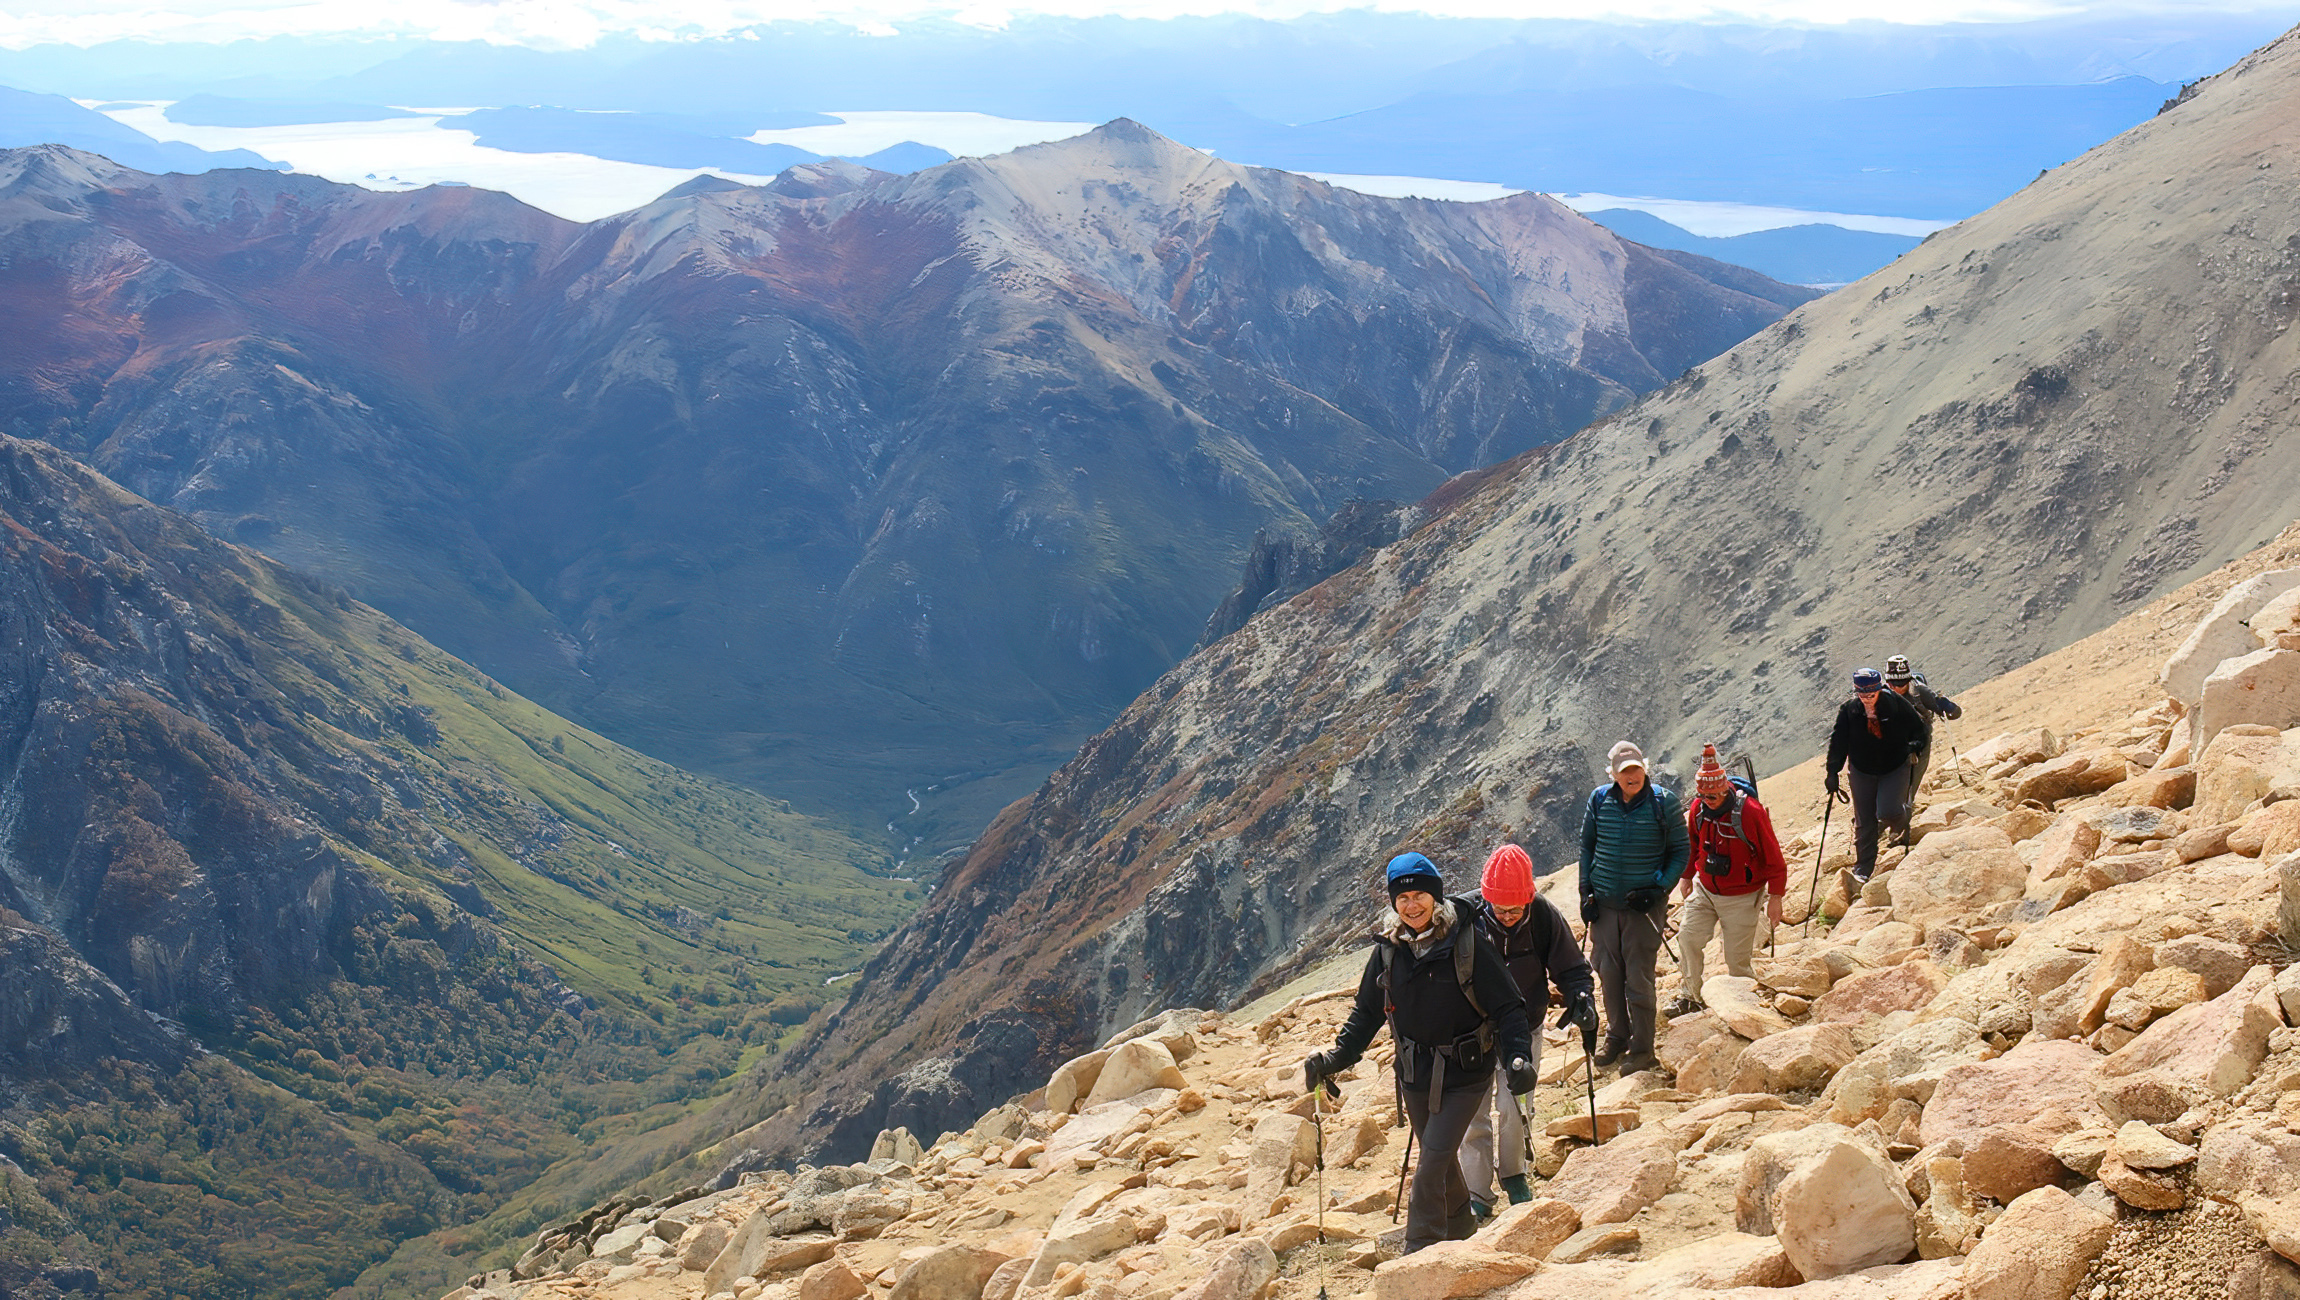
[840, 485]
[309, 932]
[2047, 1052]
[2012, 436]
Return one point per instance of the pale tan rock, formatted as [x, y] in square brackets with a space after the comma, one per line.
[1742, 1103]
[1611, 1123]
[703, 1245]
[1947, 1223]
[754, 1251]
[2140, 1146]
[2169, 988]
[1449, 1269]
[2083, 1150]
[953, 1272]
[2008, 1161]
[2021, 748]
[1005, 1281]
[2238, 767]
[1795, 1060]
[2122, 961]
[2139, 1188]
[1283, 1146]
[1976, 1096]
[1132, 1068]
[1350, 1138]
[2201, 842]
[2248, 1156]
[2038, 1249]
[898, 1145]
[2060, 849]
[2269, 833]
[1092, 1127]
[2218, 961]
[1806, 976]
[1532, 1229]
[1701, 1052]
[1711, 1264]
[1609, 1183]
[1843, 1212]
[1233, 1270]
[1909, 986]
[2150, 1096]
[2262, 688]
[2167, 787]
[1955, 875]
[1072, 1080]
[2214, 1046]
[1768, 1163]
[832, 1280]
[1589, 1243]
[2223, 633]
[1735, 1000]
[2277, 1221]
[2087, 771]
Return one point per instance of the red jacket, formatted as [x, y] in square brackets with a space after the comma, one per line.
[1755, 853]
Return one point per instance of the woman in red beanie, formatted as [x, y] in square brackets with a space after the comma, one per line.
[1537, 947]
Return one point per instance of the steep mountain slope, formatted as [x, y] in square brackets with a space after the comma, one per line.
[2019, 431]
[312, 933]
[841, 485]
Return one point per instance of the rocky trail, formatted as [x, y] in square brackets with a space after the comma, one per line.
[2051, 1050]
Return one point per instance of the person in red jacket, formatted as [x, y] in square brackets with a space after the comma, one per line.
[1738, 874]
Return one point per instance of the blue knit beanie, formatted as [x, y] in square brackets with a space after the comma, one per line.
[1413, 871]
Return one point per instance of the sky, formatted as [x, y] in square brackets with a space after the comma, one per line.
[575, 23]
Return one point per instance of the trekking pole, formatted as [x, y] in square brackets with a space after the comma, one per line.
[1661, 934]
[1589, 1078]
[1318, 1098]
[1399, 1203]
[1813, 891]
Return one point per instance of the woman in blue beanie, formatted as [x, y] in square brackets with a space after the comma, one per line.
[1454, 1015]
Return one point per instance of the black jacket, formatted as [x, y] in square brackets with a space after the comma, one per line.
[1538, 952]
[1430, 1010]
[1875, 755]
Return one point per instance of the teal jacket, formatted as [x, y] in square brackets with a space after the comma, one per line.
[1638, 845]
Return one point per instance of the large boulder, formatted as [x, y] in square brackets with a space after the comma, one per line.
[2218, 961]
[2087, 771]
[1449, 1269]
[1712, 1264]
[1908, 1065]
[953, 1272]
[1072, 1080]
[1610, 1183]
[2010, 1160]
[2269, 833]
[1952, 876]
[2122, 960]
[1845, 1211]
[1133, 1068]
[1795, 1060]
[2223, 633]
[1233, 1270]
[2241, 764]
[2248, 1156]
[1909, 986]
[1976, 1096]
[1283, 1144]
[2038, 1249]
[1734, 999]
[2207, 1049]
[1768, 1163]
[1532, 1228]
[2262, 687]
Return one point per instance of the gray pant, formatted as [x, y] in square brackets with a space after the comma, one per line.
[1878, 802]
[1496, 1141]
[1918, 762]
[1440, 1195]
[1622, 945]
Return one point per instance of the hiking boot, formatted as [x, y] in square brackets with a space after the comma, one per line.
[1462, 1226]
[1518, 1189]
[1681, 1007]
[1637, 1061]
[1480, 1210]
[1861, 874]
[1608, 1054]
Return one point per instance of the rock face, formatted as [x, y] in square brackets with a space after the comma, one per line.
[1409, 700]
[961, 458]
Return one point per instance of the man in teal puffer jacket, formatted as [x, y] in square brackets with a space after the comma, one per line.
[1633, 849]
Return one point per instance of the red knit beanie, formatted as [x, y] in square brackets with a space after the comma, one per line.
[1710, 779]
[1508, 878]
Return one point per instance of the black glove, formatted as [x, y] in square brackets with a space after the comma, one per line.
[1580, 1009]
[1317, 1070]
[1521, 1077]
[1589, 909]
[1644, 897]
[1830, 784]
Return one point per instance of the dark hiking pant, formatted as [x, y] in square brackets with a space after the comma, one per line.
[1622, 945]
[1918, 762]
[1878, 802]
[1440, 1194]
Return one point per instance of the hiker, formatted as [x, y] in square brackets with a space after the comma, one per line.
[1931, 704]
[1633, 847]
[1453, 1015]
[1537, 947]
[1738, 873]
[1876, 733]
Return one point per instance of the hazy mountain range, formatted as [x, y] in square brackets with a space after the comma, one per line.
[2023, 429]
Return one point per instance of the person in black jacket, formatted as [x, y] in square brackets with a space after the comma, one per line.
[1450, 1032]
[1910, 685]
[1876, 732]
[1535, 944]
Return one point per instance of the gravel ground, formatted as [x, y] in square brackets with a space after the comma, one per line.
[2205, 1252]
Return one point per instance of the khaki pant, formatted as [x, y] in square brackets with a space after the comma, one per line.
[1739, 916]
[1496, 1140]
